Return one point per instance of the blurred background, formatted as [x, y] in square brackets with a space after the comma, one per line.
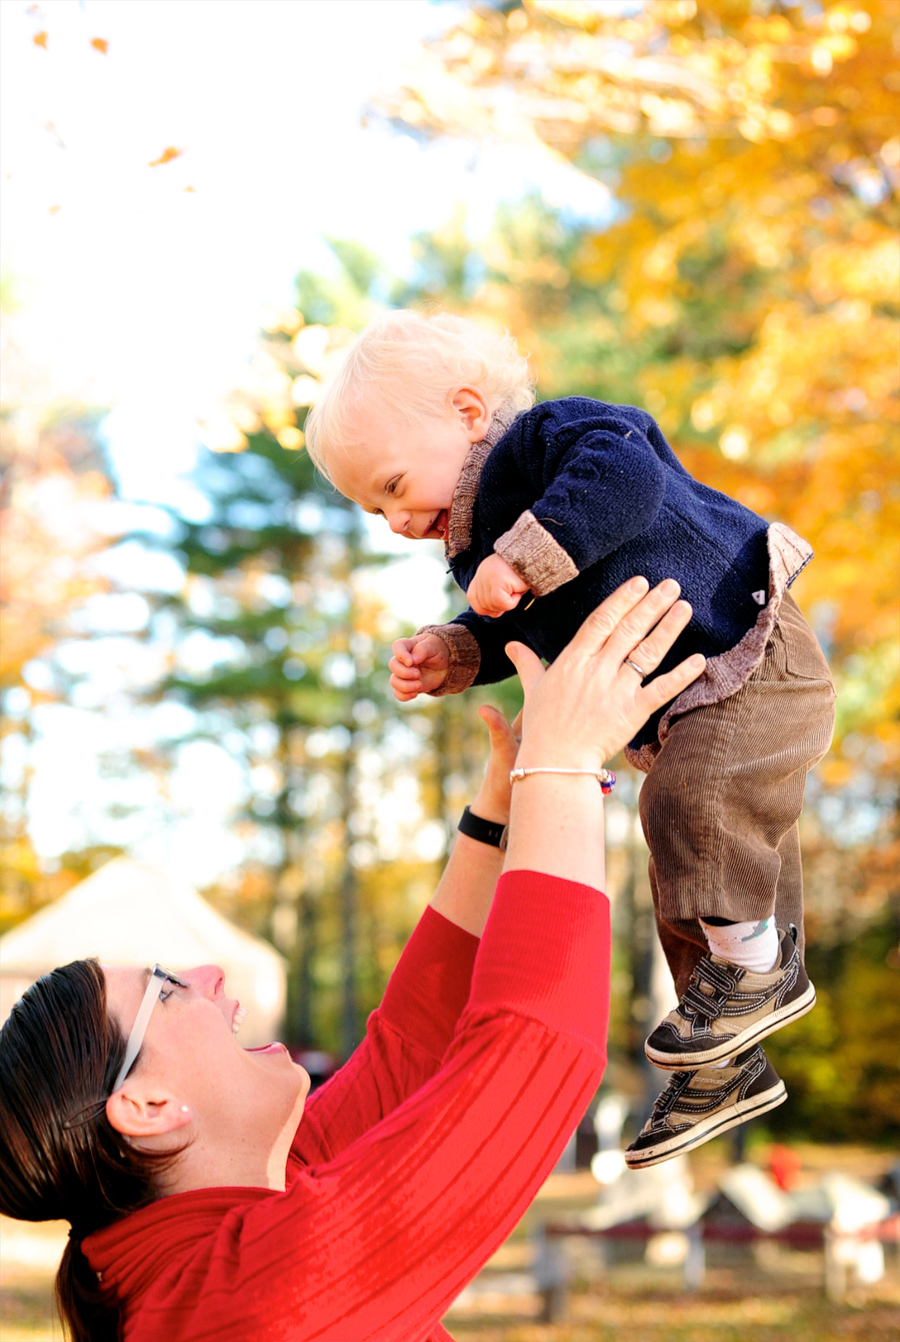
[688, 205]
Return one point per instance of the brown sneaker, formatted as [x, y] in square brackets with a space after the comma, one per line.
[698, 1105]
[726, 1008]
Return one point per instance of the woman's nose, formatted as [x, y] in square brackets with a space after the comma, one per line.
[206, 979]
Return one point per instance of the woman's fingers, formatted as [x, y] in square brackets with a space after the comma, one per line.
[503, 740]
[496, 723]
[603, 621]
[636, 623]
[667, 687]
[649, 651]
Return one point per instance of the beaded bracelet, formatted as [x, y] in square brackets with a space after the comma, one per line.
[605, 777]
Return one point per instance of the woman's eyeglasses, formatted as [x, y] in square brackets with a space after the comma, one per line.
[159, 977]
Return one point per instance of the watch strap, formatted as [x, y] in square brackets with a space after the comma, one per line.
[484, 831]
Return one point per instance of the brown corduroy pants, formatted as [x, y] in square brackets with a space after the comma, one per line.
[721, 802]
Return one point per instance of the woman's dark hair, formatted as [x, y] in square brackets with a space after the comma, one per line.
[60, 1157]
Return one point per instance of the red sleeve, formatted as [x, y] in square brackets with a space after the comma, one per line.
[374, 1245]
[405, 1040]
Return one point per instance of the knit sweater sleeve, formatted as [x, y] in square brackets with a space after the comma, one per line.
[476, 644]
[375, 1244]
[599, 483]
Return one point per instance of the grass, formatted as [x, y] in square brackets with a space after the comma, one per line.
[718, 1315]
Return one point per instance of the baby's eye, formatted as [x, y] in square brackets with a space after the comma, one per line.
[391, 486]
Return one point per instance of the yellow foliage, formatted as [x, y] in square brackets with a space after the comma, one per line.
[46, 535]
[773, 212]
[166, 156]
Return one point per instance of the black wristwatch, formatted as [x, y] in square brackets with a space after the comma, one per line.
[485, 831]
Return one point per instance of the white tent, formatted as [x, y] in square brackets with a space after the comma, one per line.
[129, 913]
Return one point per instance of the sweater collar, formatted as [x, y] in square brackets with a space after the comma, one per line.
[130, 1255]
[459, 522]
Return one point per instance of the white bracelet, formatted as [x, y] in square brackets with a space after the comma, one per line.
[605, 777]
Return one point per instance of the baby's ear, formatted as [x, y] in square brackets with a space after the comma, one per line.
[471, 405]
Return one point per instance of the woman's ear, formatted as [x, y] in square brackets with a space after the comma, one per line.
[140, 1111]
[474, 411]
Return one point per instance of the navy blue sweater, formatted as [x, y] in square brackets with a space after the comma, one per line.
[603, 481]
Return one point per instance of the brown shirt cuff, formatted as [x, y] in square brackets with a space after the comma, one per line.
[536, 556]
[465, 657]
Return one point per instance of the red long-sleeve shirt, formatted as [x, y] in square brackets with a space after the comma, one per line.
[413, 1163]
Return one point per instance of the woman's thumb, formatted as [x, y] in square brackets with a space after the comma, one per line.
[496, 724]
[527, 663]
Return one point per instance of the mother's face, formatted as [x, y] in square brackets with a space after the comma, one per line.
[192, 1072]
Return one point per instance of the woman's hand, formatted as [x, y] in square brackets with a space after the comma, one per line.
[585, 707]
[491, 801]
[578, 713]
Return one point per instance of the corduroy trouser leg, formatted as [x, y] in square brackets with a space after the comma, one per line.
[721, 802]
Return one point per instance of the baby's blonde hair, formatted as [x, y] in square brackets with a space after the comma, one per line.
[412, 364]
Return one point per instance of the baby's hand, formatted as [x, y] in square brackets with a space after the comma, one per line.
[495, 588]
[419, 665]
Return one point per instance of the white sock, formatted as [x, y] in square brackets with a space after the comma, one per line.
[754, 946]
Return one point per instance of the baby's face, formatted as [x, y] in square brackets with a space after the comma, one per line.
[406, 472]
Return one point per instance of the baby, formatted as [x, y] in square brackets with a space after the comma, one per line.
[544, 510]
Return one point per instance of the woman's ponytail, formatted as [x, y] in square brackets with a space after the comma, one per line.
[60, 1157]
[88, 1316]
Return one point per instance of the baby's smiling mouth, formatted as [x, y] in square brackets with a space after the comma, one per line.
[440, 523]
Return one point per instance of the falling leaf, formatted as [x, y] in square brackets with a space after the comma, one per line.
[100, 44]
[40, 39]
[54, 209]
[165, 157]
[51, 130]
[190, 188]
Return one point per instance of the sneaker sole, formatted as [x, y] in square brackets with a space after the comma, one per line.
[706, 1128]
[682, 1062]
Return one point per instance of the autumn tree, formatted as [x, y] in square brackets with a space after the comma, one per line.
[279, 647]
[52, 500]
[743, 287]
[751, 266]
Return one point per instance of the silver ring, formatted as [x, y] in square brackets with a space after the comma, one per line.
[634, 666]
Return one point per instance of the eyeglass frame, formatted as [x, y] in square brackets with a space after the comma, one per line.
[159, 976]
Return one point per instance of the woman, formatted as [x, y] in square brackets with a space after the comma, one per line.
[208, 1200]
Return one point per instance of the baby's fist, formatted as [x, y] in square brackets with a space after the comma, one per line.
[419, 665]
[495, 588]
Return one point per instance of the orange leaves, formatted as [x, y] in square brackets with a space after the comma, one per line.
[42, 38]
[166, 156]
